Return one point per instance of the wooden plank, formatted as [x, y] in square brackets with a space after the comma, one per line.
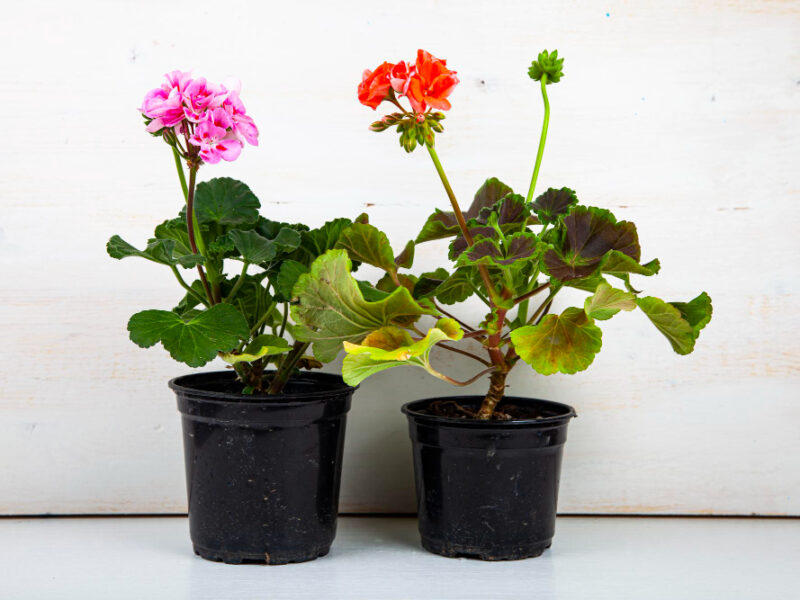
[682, 117]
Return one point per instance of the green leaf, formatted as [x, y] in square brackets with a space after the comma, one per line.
[456, 288]
[371, 293]
[261, 346]
[459, 243]
[331, 308]
[554, 204]
[194, 342]
[444, 224]
[393, 347]
[158, 251]
[428, 282]
[405, 259]
[515, 249]
[619, 265]
[565, 343]
[511, 209]
[256, 249]
[668, 320]
[189, 301]
[587, 284]
[696, 312]
[608, 301]
[175, 229]
[253, 247]
[585, 238]
[367, 244]
[225, 201]
[288, 275]
[317, 242]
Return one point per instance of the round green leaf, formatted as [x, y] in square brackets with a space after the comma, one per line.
[565, 343]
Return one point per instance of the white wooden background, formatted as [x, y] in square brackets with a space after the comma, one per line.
[681, 116]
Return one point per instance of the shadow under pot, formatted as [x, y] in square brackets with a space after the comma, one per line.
[262, 473]
[488, 489]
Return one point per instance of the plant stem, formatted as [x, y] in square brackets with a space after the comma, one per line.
[239, 282]
[468, 381]
[286, 368]
[260, 322]
[465, 353]
[542, 138]
[522, 311]
[189, 290]
[181, 176]
[447, 314]
[497, 388]
[544, 306]
[285, 319]
[451, 195]
[191, 226]
[460, 217]
[532, 293]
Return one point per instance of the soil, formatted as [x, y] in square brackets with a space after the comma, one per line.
[504, 411]
[236, 387]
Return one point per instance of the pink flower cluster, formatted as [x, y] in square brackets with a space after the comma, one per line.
[209, 117]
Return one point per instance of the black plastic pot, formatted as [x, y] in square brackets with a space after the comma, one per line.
[488, 489]
[263, 476]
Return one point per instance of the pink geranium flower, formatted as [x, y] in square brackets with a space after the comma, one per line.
[200, 96]
[215, 140]
[165, 104]
[211, 116]
[243, 126]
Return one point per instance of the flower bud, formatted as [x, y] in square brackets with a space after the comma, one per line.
[549, 65]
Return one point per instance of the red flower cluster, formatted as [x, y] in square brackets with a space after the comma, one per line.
[426, 83]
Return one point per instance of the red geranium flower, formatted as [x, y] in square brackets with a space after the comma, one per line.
[430, 83]
[375, 86]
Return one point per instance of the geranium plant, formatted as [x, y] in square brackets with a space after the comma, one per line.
[514, 252]
[241, 316]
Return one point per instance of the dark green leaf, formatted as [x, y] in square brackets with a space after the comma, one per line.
[405, 259]
[175, 229]
[287, 277]
[253, 247]
[554, 204]
[456, 288]
[459, 243]
[516, 248]
[257, 249]
[427, 283]
[158, 251]
[588, 234]
[316, 242]
[194, 342]
[511, 209]
[371, 293]
[444, 224]
[225, 201]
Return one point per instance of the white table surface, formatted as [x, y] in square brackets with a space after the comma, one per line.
[379, 557]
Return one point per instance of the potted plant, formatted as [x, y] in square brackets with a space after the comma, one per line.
[263, 440]
[487, 467]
